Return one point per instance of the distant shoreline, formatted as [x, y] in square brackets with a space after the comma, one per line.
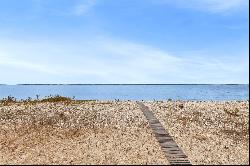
[121, 84]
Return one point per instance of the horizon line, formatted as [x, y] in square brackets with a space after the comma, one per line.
[142, 84]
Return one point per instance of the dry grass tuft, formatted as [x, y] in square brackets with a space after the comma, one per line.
[56, 98]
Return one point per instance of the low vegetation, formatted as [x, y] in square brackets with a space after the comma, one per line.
[57, 98]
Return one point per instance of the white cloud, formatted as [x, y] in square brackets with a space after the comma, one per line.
[83, 7]
[214, 6]
[63, 7]
[105, 60]
[8, 62]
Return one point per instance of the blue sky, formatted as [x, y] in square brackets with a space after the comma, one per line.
[125, 41]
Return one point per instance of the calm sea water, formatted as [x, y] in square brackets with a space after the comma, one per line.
[130, 92]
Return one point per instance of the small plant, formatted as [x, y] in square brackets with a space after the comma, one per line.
[56, 98]
[181, 106]
[232, 112]
[29, 99]
[8, 100]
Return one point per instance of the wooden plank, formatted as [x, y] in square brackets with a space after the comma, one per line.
[172, 151]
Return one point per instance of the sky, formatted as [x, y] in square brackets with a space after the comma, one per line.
[125, 41]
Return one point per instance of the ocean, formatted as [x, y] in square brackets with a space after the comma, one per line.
[208, 92]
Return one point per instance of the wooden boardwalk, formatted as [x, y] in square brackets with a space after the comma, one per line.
[173, 153]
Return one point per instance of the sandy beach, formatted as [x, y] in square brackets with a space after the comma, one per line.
[76, 133]
[208, 132]
[116, 132]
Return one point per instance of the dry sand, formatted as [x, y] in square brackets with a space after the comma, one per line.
[77, 133]
[208, 132]
[112, 132]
